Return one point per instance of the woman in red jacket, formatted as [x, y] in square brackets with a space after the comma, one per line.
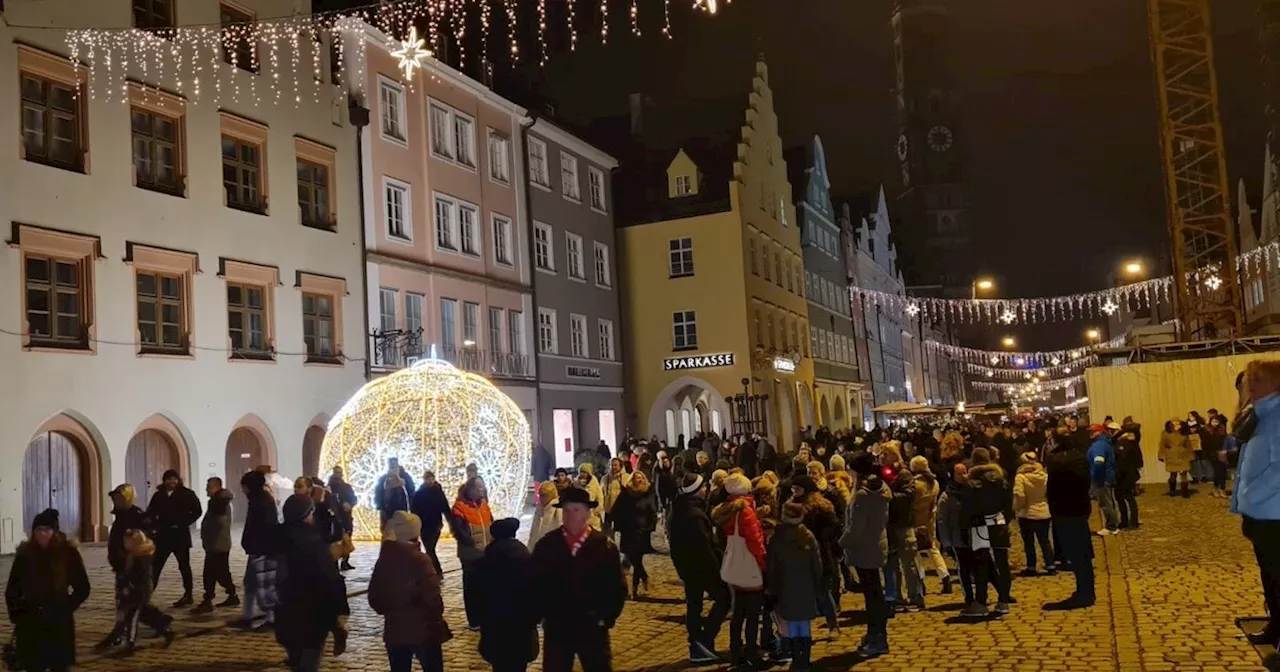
[737, 516]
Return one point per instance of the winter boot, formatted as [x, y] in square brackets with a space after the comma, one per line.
[801, 648]
[1173, 488]
[877, 644]
[205, 607]
[946, 584]
[185, 601]
[113, 638]
[781, 653]
[231, 601]
[1186, 490]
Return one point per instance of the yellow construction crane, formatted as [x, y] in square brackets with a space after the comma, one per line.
[1195, 166]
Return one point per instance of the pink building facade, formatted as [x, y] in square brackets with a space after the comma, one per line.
[446, 243]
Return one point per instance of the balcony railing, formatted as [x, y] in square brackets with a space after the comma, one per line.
[397, 349]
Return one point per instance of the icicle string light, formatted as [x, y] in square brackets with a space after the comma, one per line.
[635, 19]
[571, 20]
[604, 21]
[513, 28]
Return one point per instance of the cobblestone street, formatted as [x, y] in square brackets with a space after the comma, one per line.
[1167, 599]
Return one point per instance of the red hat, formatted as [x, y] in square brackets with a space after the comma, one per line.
[1096, 428]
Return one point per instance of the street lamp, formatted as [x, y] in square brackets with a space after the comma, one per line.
[1093, 334]
[1133, 268]
[1008, 342]
[982, 284]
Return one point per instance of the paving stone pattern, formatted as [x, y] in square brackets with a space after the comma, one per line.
[1167, 599]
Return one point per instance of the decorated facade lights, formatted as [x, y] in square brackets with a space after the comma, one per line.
[1109, 307]
[1009, 359]
[411, 53]
[1037, 385]
[912, 309]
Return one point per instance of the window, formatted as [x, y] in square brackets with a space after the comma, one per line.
[787, 265]
[387, 309]
[684, 185]
[239, 44]
[470, 323]
[759, 330]
[156, 143]
[313, 193]
[448, 324]
[495, 329]
[467, 232]
[684, 330]
[578, 335]
[805, 345]
[773, 338]
[396, 209]
[797, 278]
[501, 240]
[317, 326]
[446, 210]
[794, 343]
[247, 320]
[777, 267]
[538, 171]
[242, 174]
[542, 254]
[606, 339]
[160, 312]
[316, 202]
[51, 123]
[56, 301]
[547, 341]
[391, 98]
[681, 257]
[782, 210]
[573, 250]
[464, 140]
[569, 177]
[412, 312]
[441, 134]
[751, 248]
[152, 14]
[595, 179]
[603, 276]
[764, 258]
[515, 332]
[499, 157]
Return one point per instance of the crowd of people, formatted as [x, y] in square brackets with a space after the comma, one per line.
[769, 541]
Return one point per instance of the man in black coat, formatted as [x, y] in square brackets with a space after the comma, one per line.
[696, 555]
[347, 500]
[380, 488]
[508, 629]
[749, 457]
[1069, 509]
[172, 511]
[312, 594]
[579, 589]
[430, 504]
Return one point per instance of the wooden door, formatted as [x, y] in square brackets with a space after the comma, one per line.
[244, 454]
[150, 454]
[51, 479]
[311, 444]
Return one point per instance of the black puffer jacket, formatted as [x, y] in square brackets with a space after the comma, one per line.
[172, 513]
[694, 550]
[989, 497]
[261, 525]
[131, 518]
[312, 594]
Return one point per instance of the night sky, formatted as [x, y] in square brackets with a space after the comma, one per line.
[1059, 115]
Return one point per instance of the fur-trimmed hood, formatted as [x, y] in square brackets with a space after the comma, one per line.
[990, 472]
[842, 481]
[728, 509]
[815, 500]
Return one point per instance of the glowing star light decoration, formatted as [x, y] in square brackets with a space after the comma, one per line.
[430, 416]
[411, 53]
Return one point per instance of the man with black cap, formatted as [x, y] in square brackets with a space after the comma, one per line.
[312, 594]
[127, 517]
[697, 557]
[508, 631]
[172, 511]
[580, 589]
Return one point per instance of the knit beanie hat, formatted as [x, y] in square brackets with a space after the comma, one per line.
[297, 508]
[47, 518]
[737, 484]
[586, 468]
[403, 526]
[837, 463]
[692, 483]
[793, 513]
[919, 464]
[505, 528]
[981, 456]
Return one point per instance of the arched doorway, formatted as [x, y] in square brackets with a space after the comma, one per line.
[245, 452]
[785, 412]
[62, 469]
[674, 408]
[150, 454]
[838, 421]
[311, 443]
[824, 412]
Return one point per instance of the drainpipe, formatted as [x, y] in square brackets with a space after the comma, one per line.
[525, 124]
[359, 116]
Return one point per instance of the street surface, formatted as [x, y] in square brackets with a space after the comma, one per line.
[1167, 599]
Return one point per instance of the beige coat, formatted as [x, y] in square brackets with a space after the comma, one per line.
[924, 509]
[1175, 452]
[1030, 492]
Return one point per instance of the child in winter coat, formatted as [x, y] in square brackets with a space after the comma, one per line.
[133, 591]
[794, 582]
[547, 517]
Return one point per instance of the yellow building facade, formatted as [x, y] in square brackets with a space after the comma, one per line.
[713, 293]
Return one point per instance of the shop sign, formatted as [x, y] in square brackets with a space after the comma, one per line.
[697, 362]
[582, 372]
[784, 364]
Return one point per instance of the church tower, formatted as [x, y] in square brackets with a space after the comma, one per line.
[931, 198]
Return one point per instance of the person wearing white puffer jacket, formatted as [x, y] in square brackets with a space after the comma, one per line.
[1031, 505]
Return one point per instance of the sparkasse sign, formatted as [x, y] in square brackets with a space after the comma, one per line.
[697, 362]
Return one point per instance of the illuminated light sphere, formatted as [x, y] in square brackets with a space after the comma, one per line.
[430, 416]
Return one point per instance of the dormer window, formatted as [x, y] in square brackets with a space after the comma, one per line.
[684, 185]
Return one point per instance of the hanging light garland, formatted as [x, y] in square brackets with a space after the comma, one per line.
[1049, 371]
[1011, 359]
[185, 58]
[1036, 386]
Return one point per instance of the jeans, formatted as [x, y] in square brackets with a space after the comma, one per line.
[1036, 531]
[1127, 502]
[303, 660]
[798, 629]
[745, 623]
[901, 563]
[217, 571]
[701, 629]
[1106, 496]
[430, 537]
[934, 555]
[1077, 547]
[590, 645]
[964, 567]
[991, 567]
[877, 609]
[183, 555]
[1265, 536]
[1219, 474]
[638, 573]
[430, 657]
[471, 597]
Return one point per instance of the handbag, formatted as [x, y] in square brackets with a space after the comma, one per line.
[739, 568]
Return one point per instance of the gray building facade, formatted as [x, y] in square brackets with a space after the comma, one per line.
[577, 325]
[831, 330]
[877, 269]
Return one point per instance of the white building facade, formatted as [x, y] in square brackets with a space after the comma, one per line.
[183, 277]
